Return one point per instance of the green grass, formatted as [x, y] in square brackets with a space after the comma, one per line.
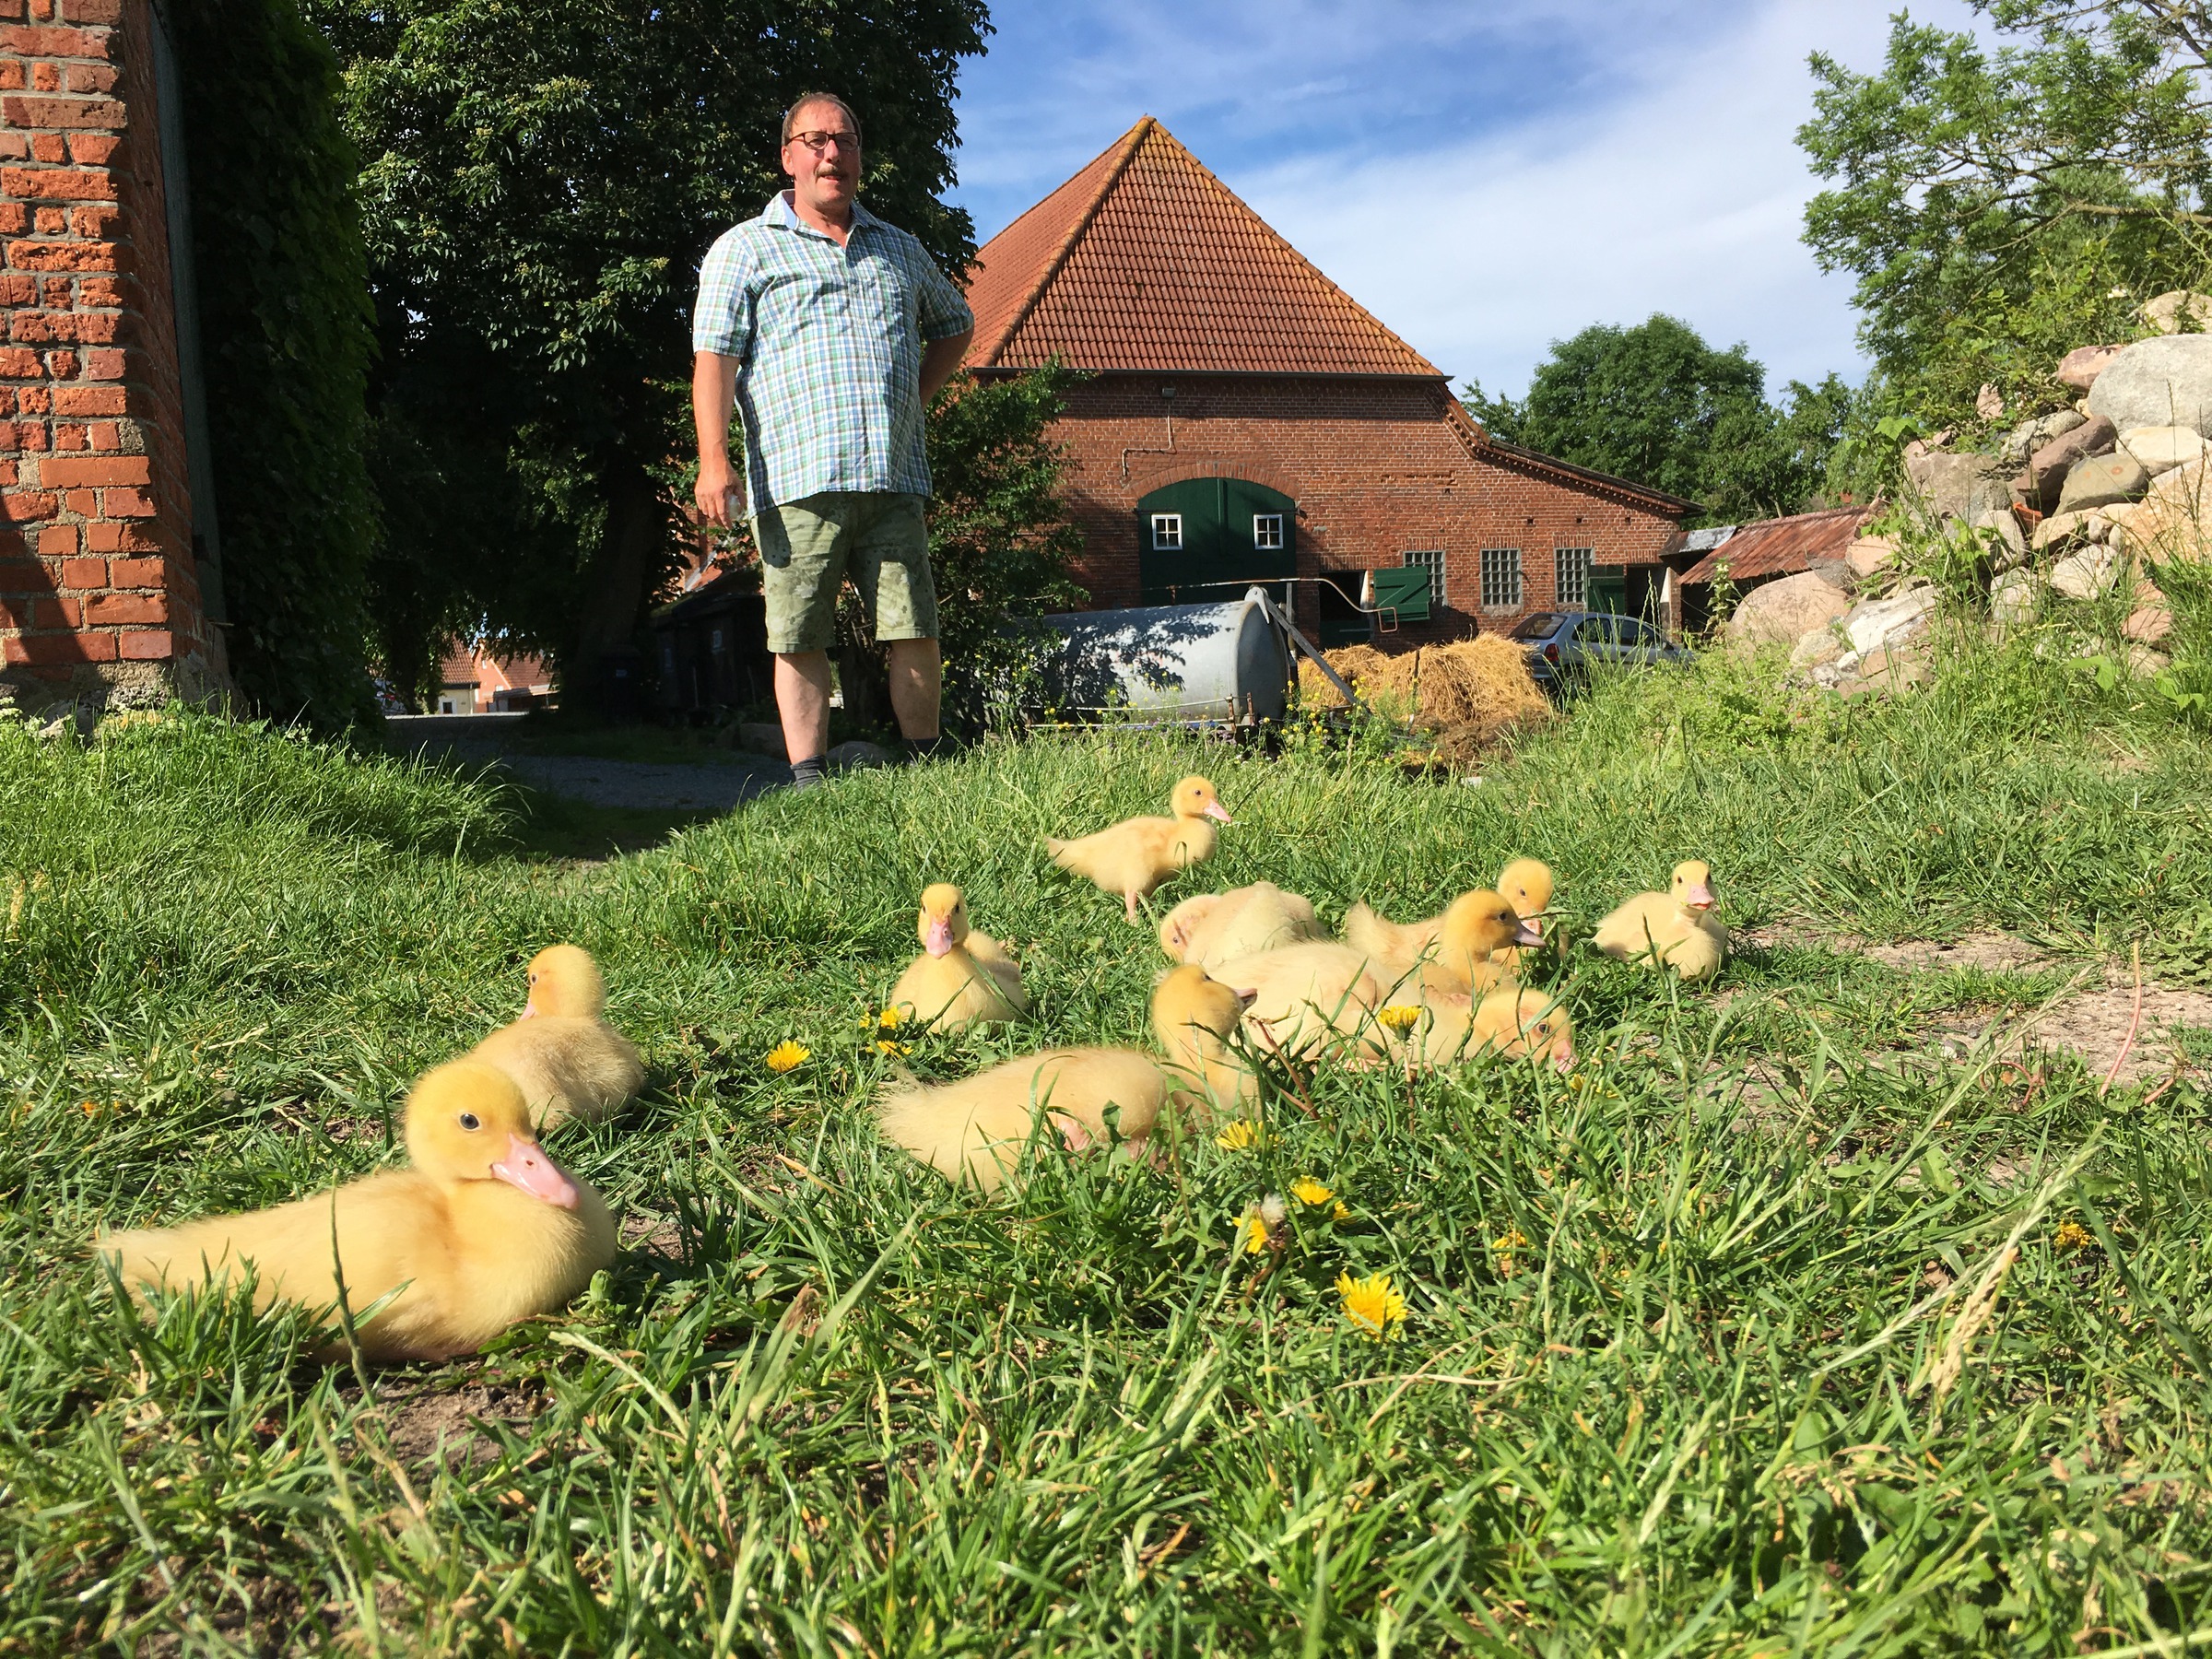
[1663, 1389]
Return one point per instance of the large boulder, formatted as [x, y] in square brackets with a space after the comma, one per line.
[2080, 367]
[2062, 527]
[1784, 612]
[2100, 480]
[2161, 449]
[2174, 521]
[1958, 485]
[2089, 575]
[2012, 599]
[1887, 622]
[2167, 311]
[2164, 380]
[1871, 555]
[2024, 440]
[2011, 546]
[2047, 468]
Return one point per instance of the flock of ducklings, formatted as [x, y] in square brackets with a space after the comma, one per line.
[485, 1228]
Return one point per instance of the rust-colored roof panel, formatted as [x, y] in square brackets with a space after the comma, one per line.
[1145, 260]
[1782, 547]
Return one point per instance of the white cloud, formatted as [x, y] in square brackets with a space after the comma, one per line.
[1604, 162]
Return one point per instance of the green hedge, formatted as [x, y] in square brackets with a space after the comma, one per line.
[286, 335]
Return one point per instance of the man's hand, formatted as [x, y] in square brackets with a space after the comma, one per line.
[716, 494]
[713, 385]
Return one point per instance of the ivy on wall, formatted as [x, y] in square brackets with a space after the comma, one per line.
[286, 335]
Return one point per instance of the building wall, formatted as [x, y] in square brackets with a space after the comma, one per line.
[97, 594]
[1374, 465]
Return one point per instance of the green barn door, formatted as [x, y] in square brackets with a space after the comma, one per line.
[1205, 539]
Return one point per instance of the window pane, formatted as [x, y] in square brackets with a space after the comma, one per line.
[1267, 532]
[1502, 578]
[1167, 531]
[1571, 576]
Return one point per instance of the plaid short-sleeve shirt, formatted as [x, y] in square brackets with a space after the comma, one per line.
[830, 342]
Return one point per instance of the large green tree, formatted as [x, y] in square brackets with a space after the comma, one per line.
[540, 181]
[1656, 405]
[2001, 207]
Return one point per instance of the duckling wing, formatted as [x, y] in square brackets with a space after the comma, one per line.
[1642, 924]
[978, 1128]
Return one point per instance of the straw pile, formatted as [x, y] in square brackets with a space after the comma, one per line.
[1469, 696]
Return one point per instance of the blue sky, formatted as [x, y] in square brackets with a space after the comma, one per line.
[1486, 178]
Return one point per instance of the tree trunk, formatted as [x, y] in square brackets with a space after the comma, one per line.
[604, 669]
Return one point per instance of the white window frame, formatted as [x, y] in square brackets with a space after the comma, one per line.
[1266, 533]
[1432, 560]
[1572, 594]
[1501, 586]
[1167, 533]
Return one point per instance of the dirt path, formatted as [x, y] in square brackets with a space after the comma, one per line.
[2093, 1022]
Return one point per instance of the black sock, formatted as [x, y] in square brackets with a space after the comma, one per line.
[805, 774]
[924, 748]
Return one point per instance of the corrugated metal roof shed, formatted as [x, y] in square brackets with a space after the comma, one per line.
[1782, 547]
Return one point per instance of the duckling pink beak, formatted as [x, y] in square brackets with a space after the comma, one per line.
[529, 1167]
[1248, 997]
[1697, 896]
[529, 1009]
[1535, 925]
[936, 938]
[1213, 809]
[1562, 1057]
[1528, 933]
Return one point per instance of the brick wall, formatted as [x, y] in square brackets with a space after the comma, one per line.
[1376, 467]
[98, 597]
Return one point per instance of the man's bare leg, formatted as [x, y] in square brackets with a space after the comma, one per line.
[803, 701]
[917, 688]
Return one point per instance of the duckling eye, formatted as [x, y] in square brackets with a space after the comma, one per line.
[470, 1121]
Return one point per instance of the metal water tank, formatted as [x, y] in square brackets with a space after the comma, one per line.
[1180, 662]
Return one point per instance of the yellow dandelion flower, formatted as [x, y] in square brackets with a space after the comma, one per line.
[88, 1107]
[884, 1045]
[1400, 1018]
[1306, 1190]
[1340, 1212]
[1370, 1304]
[2073, 1235]
[787, 1055]
[890, 1019]
[1242, 1136]
[1251, 1232]
[1514, 1239]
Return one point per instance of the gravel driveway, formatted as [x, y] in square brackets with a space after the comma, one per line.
[482, 739]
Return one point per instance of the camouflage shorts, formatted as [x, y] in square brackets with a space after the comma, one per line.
[809, 546]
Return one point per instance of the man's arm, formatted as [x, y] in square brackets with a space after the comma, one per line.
[939, 359]
[714, 386]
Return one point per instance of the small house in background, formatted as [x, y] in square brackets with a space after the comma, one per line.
[471, 681]
[1243, 420]
[1753, 555]
[710, 644]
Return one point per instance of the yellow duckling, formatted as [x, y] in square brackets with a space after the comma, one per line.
[1396, 946]
[977, 1128]
[1446, 1031]
[1136, 855]
[484, 1230]
[1303, 994]
[1214, 928]
[962, 977]
[1676, 927]
[1527, 885]
[562, 1055]
[1459, 952]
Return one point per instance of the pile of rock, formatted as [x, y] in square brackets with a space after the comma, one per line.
[1840, 634]
[2078, 501]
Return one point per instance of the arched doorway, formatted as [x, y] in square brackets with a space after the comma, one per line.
[1206, 538]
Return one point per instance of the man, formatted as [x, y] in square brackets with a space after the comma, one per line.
[831, 330]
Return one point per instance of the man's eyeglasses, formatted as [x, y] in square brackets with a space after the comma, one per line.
[818, 142]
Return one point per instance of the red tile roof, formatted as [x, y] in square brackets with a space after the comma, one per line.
[1782, 547]
[1145, 260]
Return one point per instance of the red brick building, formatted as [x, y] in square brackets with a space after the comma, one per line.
[102, 599]
[1246, 420]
